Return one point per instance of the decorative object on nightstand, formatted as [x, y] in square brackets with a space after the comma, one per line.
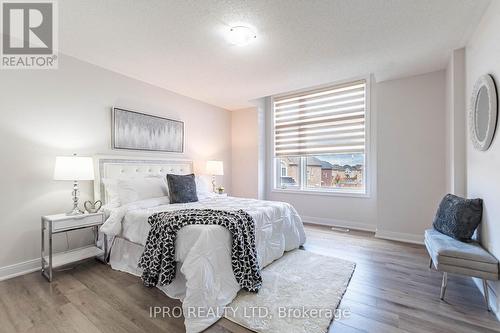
[215, 168]
[54, 224]
[220, 189]
[92, 207]
[74, 168]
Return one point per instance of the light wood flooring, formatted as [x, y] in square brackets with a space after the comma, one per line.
[392, 290]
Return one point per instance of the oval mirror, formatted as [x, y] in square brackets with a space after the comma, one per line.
[483, 112]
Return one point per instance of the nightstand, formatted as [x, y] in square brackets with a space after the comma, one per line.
[54, 224]
[221, 195]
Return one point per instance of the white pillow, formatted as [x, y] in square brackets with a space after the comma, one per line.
[135, 189]
[203, 187]
[110, 186]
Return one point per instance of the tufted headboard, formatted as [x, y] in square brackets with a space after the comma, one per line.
[125, 167]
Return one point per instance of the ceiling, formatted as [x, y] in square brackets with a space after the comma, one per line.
[180, 45]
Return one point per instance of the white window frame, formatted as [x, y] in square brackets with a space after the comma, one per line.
[302, 189]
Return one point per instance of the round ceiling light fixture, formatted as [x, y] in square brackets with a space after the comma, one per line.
[241, 35]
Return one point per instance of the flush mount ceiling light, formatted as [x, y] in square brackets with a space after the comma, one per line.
[241, 35]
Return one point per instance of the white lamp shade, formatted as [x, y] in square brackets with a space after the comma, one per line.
[74, 168]
[215, 168]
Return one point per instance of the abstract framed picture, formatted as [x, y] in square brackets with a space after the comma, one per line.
[138, 131]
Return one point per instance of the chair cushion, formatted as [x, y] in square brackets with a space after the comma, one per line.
[446, 246]
[458, 217]
[452, 256]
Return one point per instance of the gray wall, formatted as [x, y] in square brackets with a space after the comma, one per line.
[455, 123]
[411, 154]
[483, 176]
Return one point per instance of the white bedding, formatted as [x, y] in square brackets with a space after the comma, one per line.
[205, 282]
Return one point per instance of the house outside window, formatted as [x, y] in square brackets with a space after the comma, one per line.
[284, 170]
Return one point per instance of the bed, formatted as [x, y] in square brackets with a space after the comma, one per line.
[204, 280]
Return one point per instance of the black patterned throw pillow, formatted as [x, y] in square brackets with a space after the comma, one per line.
[458, 217]
[182, 188]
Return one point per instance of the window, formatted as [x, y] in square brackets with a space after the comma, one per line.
[284, 169]
[289, 177]
[320, 139]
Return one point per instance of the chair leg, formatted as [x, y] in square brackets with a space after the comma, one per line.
[430, 263]
[486, 297]
[443, 285]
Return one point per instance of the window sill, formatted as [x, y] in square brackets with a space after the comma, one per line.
[330, 193]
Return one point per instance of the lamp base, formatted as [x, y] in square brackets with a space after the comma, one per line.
[75, 193]
[75, 211]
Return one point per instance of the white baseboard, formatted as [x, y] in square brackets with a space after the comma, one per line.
[338, 223]
[390, 235]
[8, 272]
[492, 296]
[400, 237]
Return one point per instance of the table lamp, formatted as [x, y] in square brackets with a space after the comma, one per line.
[215, 168]
[74, 168]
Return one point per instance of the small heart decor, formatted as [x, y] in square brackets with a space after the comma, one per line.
[92, 207]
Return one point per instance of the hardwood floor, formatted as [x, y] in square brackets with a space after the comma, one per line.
[392, 290]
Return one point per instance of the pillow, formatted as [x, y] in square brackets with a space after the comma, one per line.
[203, 187]
[135, 189]
[110, 186]
[458, 217]
[182, 188]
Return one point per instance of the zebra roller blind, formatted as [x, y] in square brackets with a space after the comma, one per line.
[321, 121]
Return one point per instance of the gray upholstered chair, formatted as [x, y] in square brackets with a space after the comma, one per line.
[452, 256]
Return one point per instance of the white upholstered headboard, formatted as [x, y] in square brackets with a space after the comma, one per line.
[126, 167]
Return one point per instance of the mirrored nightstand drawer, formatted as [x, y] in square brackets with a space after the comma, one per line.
[63, 222]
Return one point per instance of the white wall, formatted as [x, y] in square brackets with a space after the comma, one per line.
[245, 153]
[455, 124]
[260, 104]
[483, 176]
[411, 154]
[45, 113]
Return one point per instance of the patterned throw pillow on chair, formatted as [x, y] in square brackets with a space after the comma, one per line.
[458, 217]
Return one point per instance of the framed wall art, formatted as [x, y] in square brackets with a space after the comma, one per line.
[139, 131]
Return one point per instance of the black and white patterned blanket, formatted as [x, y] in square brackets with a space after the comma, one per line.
[158, 260]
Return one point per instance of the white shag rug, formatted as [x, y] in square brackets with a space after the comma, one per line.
[300, 294]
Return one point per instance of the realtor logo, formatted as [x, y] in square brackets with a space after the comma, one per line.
[29, 34]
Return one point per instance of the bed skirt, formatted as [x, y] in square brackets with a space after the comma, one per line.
[207, 305]
[125, 256]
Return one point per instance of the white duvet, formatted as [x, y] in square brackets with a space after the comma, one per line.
[205, 282]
